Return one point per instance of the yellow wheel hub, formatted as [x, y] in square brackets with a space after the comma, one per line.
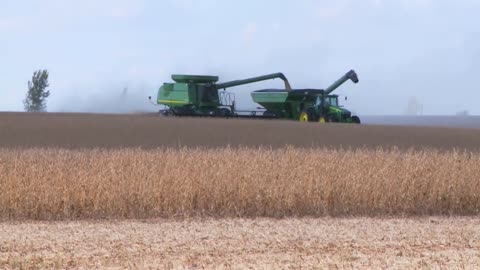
[303, 117]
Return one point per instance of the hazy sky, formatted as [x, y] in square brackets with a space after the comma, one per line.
[427, 49]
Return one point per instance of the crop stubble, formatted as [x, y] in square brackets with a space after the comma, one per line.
[301, 243]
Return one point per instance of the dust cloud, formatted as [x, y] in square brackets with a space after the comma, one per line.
[116, 99]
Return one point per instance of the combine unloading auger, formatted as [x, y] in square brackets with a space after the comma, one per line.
[256, 79]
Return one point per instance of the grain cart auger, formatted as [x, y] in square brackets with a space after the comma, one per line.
[307, 105]
[195, 95]
[351, 75]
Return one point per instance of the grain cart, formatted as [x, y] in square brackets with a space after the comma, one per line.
[196, 95]
[307, 105]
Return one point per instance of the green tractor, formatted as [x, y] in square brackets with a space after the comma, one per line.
[307, 105]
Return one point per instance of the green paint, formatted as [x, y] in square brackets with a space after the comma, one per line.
[315, 102]
[199, 95]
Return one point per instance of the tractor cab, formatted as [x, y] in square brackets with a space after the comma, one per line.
[331, 100]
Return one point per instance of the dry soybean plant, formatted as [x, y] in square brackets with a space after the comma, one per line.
[241, 182]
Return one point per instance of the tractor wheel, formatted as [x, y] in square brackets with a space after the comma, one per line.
[307, 116]
[356, 119]
[325, 119]
[303, 117]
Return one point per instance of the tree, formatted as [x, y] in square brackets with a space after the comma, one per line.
[35, 100]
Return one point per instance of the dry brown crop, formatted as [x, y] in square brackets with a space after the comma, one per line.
[134, 183]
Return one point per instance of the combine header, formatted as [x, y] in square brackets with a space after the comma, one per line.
[195, 95]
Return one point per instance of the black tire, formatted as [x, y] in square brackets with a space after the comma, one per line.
[330, 119]
[224, 112]
[356, 119]
[269, 114]
[312, 115]
[167, 113]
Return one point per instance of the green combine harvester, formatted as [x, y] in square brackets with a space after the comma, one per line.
[196, 95]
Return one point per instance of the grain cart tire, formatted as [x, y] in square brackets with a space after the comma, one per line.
[269, 114]
[356, 119]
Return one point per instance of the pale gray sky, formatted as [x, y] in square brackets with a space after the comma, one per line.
[427, 49]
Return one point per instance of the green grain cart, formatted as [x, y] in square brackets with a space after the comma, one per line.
[198, 95]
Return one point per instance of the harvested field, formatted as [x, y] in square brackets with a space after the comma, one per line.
[289, 182]
[22, 130]
[353, 243]
[190, 183]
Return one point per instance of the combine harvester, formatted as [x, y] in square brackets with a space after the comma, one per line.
[193, 95]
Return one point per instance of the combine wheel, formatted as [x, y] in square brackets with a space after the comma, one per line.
[166, 113]
[224, 112]
[355, 119]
